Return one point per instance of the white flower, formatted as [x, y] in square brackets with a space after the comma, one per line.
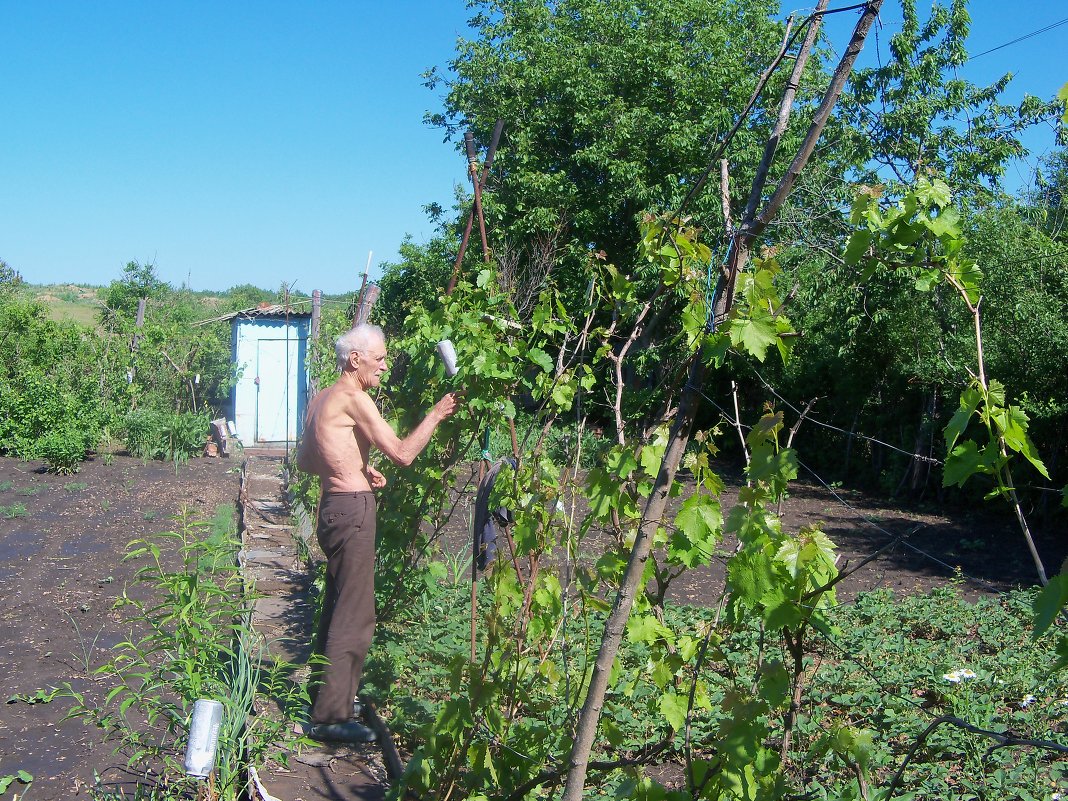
[1056, 797]
[1027, 701]
[957, 676]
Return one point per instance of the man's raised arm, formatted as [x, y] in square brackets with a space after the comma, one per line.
[372, 425]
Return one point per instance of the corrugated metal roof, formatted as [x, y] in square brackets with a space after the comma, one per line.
[264, 310]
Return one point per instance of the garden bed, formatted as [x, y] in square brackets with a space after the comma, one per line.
[62, 541]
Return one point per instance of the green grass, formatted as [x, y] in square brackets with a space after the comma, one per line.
[68, 302]
[5, 486]
[75, 486]
[13, 511]
[31, 490]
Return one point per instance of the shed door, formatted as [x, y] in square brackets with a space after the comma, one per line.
[276, 396]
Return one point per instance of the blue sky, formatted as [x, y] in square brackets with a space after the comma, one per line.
[262, 142]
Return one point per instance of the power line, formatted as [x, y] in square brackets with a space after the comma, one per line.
[1020, 39]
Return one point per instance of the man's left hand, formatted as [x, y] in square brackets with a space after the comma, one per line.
[377, 479]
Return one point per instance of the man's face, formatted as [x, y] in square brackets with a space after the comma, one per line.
[371, 364]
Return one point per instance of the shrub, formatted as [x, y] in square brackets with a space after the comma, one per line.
[64, 450]
[153, 434]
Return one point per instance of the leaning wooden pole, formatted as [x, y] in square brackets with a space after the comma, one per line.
[589, 719]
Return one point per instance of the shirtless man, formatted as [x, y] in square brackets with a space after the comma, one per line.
[341, 426]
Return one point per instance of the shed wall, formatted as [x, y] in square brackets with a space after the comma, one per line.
[271, 392]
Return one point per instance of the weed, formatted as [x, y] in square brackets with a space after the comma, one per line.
[199, 644]
[39, 697]
[108, 458]
[151, 514]
[5, 486]
[13, 511]
[85, 659]
[458, 564]
[64, 450]
[30, 490]
[75, 486]
[153, 434]
[105, 504]
[19, 776]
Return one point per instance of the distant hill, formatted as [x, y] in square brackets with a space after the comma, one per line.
[68, 301]
[81, 303]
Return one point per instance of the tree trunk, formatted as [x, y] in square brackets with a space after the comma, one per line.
[617, 619]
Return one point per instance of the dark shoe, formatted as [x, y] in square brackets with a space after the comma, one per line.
[348, 732]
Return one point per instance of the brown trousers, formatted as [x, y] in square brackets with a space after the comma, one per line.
[346, 533]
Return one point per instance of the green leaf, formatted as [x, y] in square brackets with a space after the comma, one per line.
[621, 462]
[694, 319]
[652, 453]
[1049, 603]
[1014, 430]
[751, 576]
[969, 275]
[697, 528]
[541, 358]
[947, 223]
[928, 280]
[969, 403]
[755, 334]
[673, 708]
[647, 629]
[858, 245]
[774, 683]
[780, 612]
[963, 462]
[775, 468]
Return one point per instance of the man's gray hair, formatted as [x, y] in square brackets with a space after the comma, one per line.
[357, 339]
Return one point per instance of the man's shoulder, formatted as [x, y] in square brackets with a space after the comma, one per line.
[352, 400]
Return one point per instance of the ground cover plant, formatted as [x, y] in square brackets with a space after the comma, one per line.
[887, 669]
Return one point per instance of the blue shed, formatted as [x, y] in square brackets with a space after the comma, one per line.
[270, 353]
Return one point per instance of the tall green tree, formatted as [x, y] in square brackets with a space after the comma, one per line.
[913, 113]
[611, 108]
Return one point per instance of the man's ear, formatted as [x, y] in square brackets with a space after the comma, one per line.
[354, 359]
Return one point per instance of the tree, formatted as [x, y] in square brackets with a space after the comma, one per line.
[417, 278]
[913, 114]
[138, 282]
[8, 275]
[611, 109]
[1046, 200]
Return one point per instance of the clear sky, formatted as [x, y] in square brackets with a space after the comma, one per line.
[262, 142]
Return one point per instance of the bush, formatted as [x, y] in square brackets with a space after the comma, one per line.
[153, 434]
[64, 450]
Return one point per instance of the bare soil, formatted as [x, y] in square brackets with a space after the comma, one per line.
[61, 570]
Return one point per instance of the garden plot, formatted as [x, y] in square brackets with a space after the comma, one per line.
[62, 541]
